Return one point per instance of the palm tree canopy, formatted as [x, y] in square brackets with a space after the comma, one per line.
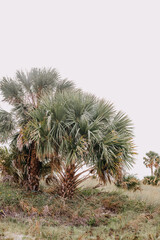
[27, 87]
[152, 159]
[24, 93]
[81, 127]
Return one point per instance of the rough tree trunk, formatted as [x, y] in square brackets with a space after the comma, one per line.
[33, 170]
[68, 185]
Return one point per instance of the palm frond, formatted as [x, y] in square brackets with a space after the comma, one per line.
[7, 125]
[65, 85]
[11, 91]
[43, 80]
[23, 79]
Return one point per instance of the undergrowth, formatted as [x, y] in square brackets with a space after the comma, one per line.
[90, 214]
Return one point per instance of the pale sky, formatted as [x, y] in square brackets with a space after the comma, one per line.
[109, 48]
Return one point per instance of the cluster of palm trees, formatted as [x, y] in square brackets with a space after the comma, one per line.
[152, 160]
[54, 128]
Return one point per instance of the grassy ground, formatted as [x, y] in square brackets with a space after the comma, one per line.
[149, 194]
[92, 214]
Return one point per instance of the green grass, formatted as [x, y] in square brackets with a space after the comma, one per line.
[91, 214]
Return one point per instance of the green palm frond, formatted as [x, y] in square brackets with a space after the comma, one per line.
[7, 125]
[11, 91]
[23, 79]
[103, 111]
[122, 124]
[65, 85]
[21, 110]
[24, 92]
[43, 79]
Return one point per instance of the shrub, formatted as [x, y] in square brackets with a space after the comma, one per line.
[5, 161]
[129, 182]
[151, 180]
[157, 172]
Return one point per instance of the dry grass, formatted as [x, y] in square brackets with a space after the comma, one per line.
[150, 194]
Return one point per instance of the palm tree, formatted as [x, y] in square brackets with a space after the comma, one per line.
[78, 128]
[151, 161]
[24, 94]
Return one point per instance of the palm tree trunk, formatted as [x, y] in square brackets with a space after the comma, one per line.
[33, 170]
[70, 179]
[152, 171]
[68, 185]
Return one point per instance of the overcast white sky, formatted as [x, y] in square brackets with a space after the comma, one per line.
[109, 48]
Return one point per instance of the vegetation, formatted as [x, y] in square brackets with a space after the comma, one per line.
[5, 161]
[157, 172]
[78, 128]
[51, 125]
[58, 136]
[91, 213]
[24, 94]
[129, 182]
[151, 180]
[152, 160]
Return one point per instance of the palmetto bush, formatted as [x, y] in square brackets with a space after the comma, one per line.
[151, 180]
[129, 182]
[7, 167]
[5, 161]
